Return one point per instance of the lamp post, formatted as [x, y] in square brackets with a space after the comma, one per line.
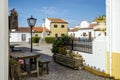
[31, 22]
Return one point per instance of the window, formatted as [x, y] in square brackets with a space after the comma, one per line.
[23, 37]
[55, 26]
[84, 34]
[62, 26]
[62, 34]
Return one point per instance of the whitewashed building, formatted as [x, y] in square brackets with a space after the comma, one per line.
[20, 35]
[23, 34]
[95, 60]
[88, 30]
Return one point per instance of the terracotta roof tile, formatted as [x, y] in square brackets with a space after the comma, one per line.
[40, 29]
[93, 25]
[23, 29]
[77, 28]
[57, 20]
[74, 29]
[36, 29]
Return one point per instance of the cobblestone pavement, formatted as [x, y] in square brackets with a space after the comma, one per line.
[57, 71]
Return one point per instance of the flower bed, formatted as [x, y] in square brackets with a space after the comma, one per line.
[67, 58]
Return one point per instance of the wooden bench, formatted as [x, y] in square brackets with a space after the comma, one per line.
[43, 64]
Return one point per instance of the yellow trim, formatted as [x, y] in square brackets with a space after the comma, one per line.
[96, 72]
[115, 64]
[108, 63]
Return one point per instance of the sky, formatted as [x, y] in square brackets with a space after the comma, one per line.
[72, 11]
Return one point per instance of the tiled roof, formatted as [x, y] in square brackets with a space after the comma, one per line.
[93, 25]
[36, 29]
[23, 29]
[56, 20]
[77, 28]
[74, 29]
[40, 29]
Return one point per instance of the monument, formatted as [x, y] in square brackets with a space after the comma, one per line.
[43, 35]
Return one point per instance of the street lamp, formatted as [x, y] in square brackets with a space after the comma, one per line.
[31, 22]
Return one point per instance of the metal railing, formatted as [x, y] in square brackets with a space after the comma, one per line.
[82, 45]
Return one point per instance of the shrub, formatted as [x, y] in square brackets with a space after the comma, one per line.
[49, 39]
[62, 50]
[14, 69]
[59, 42]
[13, 62]
[66, 39]
[35, 39]
[56, 44]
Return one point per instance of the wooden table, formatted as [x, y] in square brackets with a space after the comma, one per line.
[24, 56]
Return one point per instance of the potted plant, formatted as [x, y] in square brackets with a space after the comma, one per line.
[14, 69]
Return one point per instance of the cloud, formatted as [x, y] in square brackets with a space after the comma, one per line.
[51, 11]
[46, 10]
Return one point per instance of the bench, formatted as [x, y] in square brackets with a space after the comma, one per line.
[43, 64]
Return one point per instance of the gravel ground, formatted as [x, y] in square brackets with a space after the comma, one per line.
[57, 71]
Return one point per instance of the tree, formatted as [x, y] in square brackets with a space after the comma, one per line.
[100, 18]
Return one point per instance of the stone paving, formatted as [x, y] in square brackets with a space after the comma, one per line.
[57, 71]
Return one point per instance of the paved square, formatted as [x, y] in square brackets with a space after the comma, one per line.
[57, 71]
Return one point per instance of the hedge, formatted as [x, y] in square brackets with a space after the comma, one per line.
[49, 39]
[35, 39]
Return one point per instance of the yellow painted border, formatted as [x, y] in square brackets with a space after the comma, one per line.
[115, 64]
[97, 72]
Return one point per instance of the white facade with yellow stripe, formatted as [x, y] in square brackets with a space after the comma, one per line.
[113, 31]
[105, 58]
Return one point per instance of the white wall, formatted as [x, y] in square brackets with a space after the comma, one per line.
[115, 25]
[4, 40]
[17, 37]
[80, 32]
[84, 24]
[98, 57]
[99, 33]
[47, 23]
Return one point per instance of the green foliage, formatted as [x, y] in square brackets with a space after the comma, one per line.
[66, 39]
[13, 62]
[101, 18]
[56, 44]
[59, 42]
[49, 39]
[35, 39]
